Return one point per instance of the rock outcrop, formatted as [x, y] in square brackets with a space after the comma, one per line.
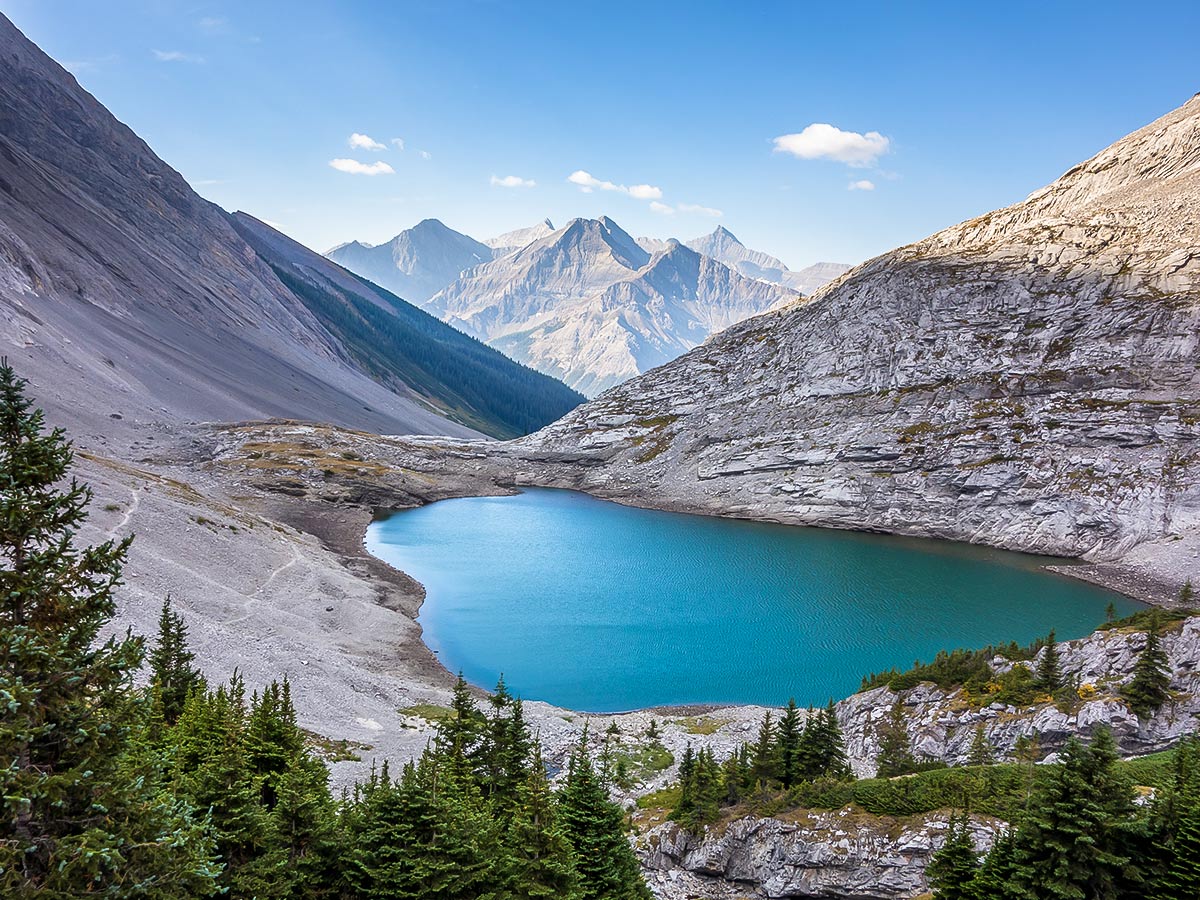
[941, 724]
[1027, 379]
[845, 854]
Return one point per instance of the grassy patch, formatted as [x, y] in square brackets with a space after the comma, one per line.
[700, 724]
[332, 750]
[112, 507]
[431, 712]
[666, 799]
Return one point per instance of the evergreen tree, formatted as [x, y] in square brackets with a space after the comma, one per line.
[787, 745]
[171, 667]
[700, 791]
[72, 823]
[995, 879]
[1187, 593]
[1110, 612]
[981, 749]
[1182, 878]
[952, 869]
[763, 765]
[460, 736]
[595, 826]
[1149, 688]
[1049, 678]
[829, 756]
[1071, 843]
[895, 753]
[543, 859]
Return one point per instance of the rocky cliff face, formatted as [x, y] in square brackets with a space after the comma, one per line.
[941, 724]
[1026, 379]
[589, 305]
[815, 854]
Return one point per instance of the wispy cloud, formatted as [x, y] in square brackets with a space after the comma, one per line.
[354, 167]
[695, 209]
[699, 210]
[425, 154]
[513, 181]
[364, 142]
[177, 56]
[862, 185]
[823, 141]
[588, 182]
[398, 143]
[213, 23]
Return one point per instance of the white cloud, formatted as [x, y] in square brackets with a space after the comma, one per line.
[821, 141]
[513, 181]
[700, 210]
[398, 143]
[213, 23]
[662, 208]
[645, 192]
[863, 185]
[588, 182]
[425, 154]
[354, 167]
[177, 56]
[364, 142]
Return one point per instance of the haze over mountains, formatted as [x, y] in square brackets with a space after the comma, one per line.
[124, 294]
[586, 303]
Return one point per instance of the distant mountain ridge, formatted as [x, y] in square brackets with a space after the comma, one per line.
[519, 237]
[124, 296]
[591, 306]
[721, 244]
[416, 263]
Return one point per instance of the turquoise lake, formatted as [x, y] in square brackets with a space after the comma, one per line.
[600, 607]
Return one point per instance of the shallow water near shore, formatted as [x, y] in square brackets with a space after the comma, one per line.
[599, 607]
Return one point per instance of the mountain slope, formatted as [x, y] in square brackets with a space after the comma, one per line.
[505, 243]
[409, 350]
[126, 298]
[589, 305]
[722, 245]
[416, 263]
[1027, 379]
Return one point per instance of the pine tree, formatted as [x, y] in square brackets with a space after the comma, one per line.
[1187, 593]
[72, 823]
[171, 667]
[460, 735]
[829, 746]
[995, 879]
[1182, 878]
[895, 753]
[952, 869]
[1049, 671]
[1070, 845]
[1149, 688]
[1110, 612]
[595, 826]
[981, 749]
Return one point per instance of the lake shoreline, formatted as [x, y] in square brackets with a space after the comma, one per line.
[1081, 571]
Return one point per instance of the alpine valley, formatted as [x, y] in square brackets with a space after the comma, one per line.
[246, 409]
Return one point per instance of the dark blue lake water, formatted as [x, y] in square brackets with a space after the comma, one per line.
[600, 607]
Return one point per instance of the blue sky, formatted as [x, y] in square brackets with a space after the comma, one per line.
[673, 110]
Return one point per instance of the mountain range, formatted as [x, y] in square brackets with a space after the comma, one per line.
[579, 302]
[124, 295]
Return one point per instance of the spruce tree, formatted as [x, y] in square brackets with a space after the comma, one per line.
[787, 745]
[1182, 878]
[1187, 593]
[763, 764]
[895, 753]
[1049, 678]
[171, 669]
[1070, 846]
[995, 878]
[72, 823]
[952, 869]
[981, 749]
[1149, 688]
[595, 826]
[544, 862]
